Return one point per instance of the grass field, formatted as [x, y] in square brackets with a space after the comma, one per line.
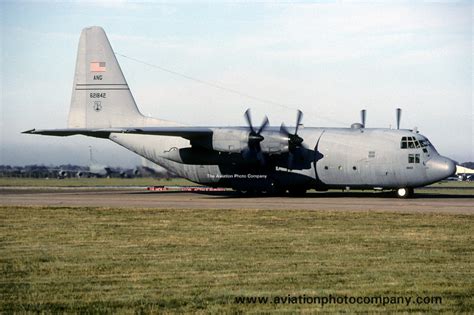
[130, 260]
[448, 188]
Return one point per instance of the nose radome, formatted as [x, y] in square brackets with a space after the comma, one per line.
[451, 166]
[441, 167]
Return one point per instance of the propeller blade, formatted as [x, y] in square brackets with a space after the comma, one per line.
[290, 160]
[295, 142]
[248, 118]
[283, 130]
[264, 125]
[261, 158]
[247, 154]
[399, 117]
[299, 117]
[362, 117]
[255, 138]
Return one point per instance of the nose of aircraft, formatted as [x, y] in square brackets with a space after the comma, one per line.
[440, 167]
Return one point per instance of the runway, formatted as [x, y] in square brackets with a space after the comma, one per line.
[140, 198]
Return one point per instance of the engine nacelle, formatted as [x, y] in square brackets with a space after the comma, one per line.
[232, 141]
[274, 143]
[236, 141]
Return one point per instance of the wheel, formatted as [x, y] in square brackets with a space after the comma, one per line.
[276, 191]
[297, 192]
[251, 193]
[404, 192]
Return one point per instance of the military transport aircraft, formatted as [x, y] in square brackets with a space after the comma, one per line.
[264, 159]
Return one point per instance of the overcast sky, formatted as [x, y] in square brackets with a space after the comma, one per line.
[329, 59]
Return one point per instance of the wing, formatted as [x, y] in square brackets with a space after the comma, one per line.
[190, 133]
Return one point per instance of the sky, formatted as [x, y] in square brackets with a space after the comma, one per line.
[328, 58]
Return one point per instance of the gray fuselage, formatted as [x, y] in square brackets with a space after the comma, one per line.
[331, 158]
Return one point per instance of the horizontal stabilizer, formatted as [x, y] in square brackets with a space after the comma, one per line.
[97, 133]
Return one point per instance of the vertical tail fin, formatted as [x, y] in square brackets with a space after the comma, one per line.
[100, 97]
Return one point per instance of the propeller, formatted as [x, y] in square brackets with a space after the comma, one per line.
[399, 117]
[255, 137]
[362, 117]
[294, 141]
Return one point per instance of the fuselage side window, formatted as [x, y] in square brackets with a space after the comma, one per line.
[413, 158]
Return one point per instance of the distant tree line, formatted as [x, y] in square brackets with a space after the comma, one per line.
[468, 165]
[77, 171]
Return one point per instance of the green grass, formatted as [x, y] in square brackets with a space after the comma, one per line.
[453, 184]
[61, 259]
[448, 188]
[90, 182]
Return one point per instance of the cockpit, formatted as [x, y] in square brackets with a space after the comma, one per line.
[413, 143]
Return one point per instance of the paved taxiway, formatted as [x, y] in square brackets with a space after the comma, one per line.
[140, 198]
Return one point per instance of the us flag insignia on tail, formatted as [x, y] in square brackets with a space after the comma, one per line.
[97, 66]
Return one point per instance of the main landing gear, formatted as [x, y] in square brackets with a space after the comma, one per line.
[404, 193]
[293, 192]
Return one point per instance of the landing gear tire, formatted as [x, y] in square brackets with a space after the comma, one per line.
[251, 193]
[297, 192]
[277, 191]
[404, 193]
[247, 193]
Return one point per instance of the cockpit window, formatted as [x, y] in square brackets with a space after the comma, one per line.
[412, 143]
[403, 144]
[424, 143]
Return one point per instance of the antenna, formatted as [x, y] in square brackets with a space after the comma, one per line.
[362, 117]
[399, 117]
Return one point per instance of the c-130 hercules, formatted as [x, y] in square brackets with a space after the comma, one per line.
[267, 159]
